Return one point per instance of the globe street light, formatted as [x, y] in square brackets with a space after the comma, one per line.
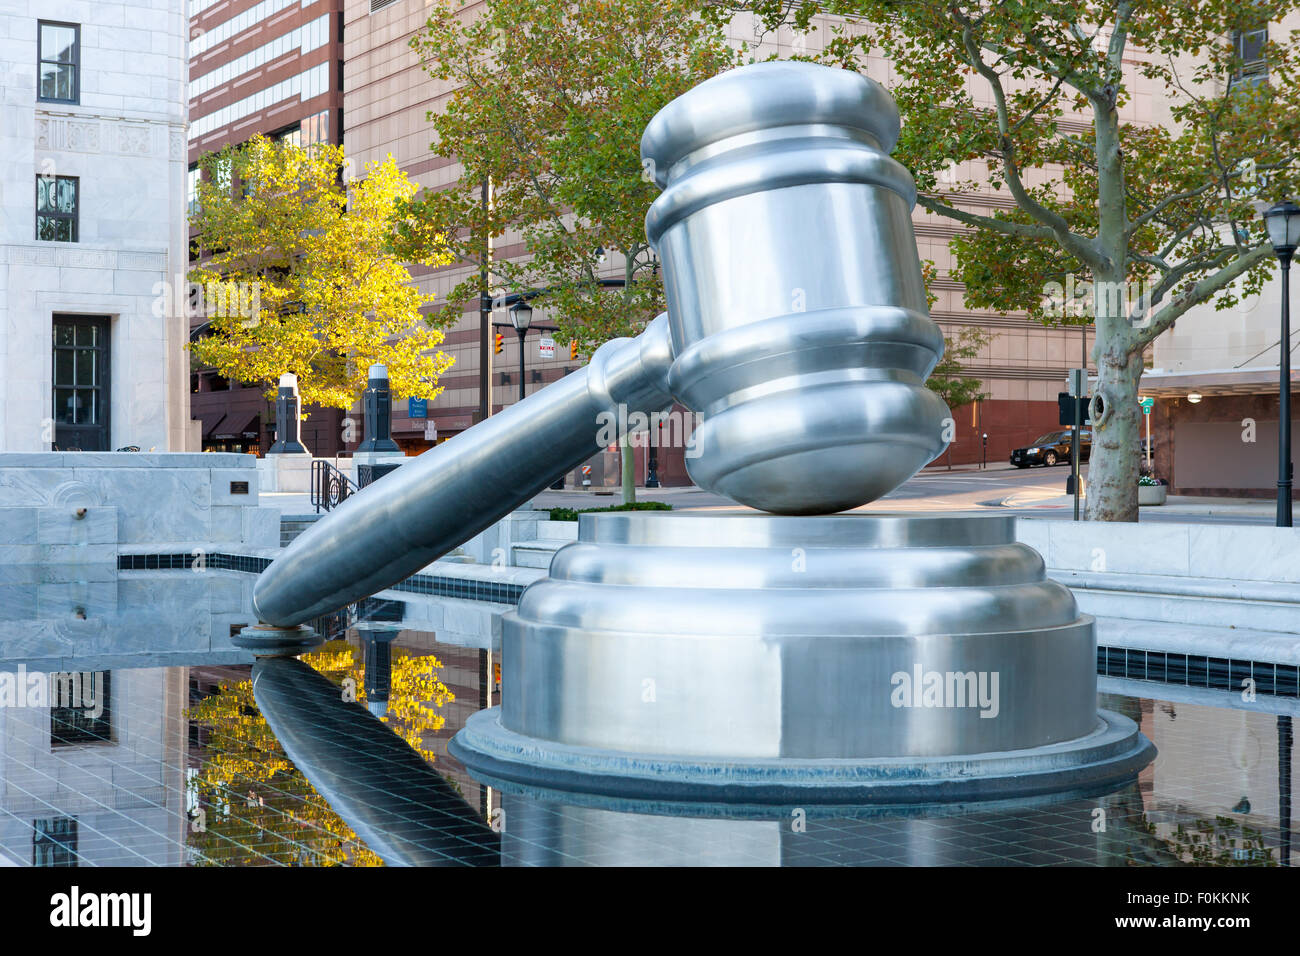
[1283, 222]
[521, 316]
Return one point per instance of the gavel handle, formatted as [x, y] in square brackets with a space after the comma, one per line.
[417, 513]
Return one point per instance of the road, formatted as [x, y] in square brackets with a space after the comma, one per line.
[1032, 492]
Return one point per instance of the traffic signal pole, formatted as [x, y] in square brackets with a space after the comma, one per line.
[1078, 389]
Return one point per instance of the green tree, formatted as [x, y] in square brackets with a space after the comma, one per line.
[949, 379]
[1157, 219]
[549, 103]
[300, 272]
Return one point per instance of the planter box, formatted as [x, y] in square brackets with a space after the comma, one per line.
[1152, 494]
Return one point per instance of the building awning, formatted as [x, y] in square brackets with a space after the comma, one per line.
[1256, 380]
[210, 419]
[236, 424]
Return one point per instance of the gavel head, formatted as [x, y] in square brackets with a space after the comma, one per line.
[796, 306]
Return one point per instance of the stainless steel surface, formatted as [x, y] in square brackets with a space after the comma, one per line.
[1111, 754]
[777, 650]
[799, 319]
[797, 325]
[414, 515]
[756, 636]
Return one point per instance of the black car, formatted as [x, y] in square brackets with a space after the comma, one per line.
[1052, 448]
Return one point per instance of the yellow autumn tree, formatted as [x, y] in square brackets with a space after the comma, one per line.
[299, 270]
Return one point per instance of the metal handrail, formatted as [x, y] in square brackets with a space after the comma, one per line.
[330, 486]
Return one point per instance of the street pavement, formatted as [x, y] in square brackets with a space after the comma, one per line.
[1000, 488]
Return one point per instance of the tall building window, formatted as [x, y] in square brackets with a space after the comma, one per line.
[56, 208]
[192, 190]
[58, 62]
[316, 128]
[291, 136]
[1248, 46]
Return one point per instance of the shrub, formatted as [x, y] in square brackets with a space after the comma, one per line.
[571, 514]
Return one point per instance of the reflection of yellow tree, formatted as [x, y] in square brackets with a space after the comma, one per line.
[259, 806]
[414, 692]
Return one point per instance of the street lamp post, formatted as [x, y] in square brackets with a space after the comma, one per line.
[1283, 221]
[521, 316]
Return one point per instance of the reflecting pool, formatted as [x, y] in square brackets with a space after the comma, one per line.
[340, 758]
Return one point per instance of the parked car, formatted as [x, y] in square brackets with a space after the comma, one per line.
[1052, 448]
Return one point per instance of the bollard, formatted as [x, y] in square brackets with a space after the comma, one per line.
[378, 403]
[288, 423]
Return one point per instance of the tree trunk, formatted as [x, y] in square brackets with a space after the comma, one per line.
[629, 479]
[1116, 418]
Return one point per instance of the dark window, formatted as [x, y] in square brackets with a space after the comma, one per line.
[56, 208]
[81, 709]
[290, 134]
[58, 64]
[81, 363]
[54, 842]
[1248, 47]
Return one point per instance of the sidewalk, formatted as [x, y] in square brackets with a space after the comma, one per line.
[293, 503]
[932, 469]
[1174, 504]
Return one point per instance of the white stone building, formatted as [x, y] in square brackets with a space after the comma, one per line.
[92, 225]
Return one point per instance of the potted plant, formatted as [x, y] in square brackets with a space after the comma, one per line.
[1151, 491]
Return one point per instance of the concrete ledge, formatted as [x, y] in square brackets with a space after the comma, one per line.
[1182, 586]
[1238, 644]
[124, 459]
[123, 499]
[1207, 551]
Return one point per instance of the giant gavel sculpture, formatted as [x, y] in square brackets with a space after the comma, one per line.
[762, 654]
[797, 326]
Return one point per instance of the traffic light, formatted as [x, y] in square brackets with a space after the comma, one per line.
[500, 343]
[573, 349]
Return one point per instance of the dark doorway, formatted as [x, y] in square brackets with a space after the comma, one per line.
[81, 385]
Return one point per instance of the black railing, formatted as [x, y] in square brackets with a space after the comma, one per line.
[329, 486]
[368, 474]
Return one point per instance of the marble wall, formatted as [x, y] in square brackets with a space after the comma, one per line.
[168, 502]
[125, 141]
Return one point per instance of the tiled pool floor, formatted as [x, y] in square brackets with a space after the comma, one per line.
[181, 767]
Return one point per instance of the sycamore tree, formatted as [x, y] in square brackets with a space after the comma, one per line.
[950, 380]
[1154, 218]
[548, 105]
[301, 269]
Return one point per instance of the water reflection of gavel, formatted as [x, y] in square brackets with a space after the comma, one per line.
[397, 804]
